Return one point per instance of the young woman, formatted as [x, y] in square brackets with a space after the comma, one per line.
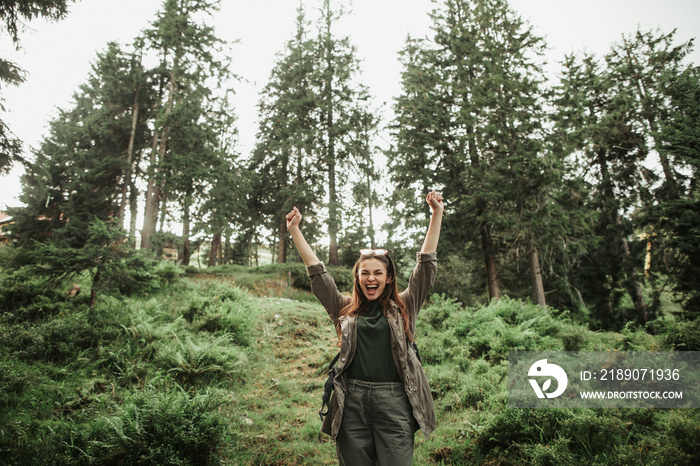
[381, 394]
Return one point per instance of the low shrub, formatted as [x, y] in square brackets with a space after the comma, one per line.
[192, 362]
[683, 429]
[522, 426]
[167, 271]
[233, 319]
[440, 309]
[134, 274]
[57, 340]
[682, 335]
[24, 297]
[586, 436]
[223, 270]
[508, 325]
[221, 308]
[14, 379]
[154, 427]
[515, 325]
[634, 338]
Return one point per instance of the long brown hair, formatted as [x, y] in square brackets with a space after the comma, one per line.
[359, 303]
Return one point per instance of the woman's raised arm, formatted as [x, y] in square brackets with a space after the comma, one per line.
[307, 254]
[434, 200]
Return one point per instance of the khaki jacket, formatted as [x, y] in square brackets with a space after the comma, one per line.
[414, 379]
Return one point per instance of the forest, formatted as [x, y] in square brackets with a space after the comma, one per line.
[572, 222]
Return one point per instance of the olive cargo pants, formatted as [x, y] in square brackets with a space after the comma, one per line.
[377, 425]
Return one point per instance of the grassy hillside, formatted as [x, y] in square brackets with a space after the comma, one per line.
[226, 367]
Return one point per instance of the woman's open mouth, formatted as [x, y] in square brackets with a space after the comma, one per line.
[371, 289]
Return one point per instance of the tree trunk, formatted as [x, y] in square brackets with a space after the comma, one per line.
[283, 240]
[330, 155]
[225, 251]
[163, 211]
[332, 193]
[129, 157]
[490, 262]
[370, 206]
[186, 235]
[486, 240]
[154, 193]
[93, 291]
[536, 272]
[299, 180]
[215, 249]
[632, 283]
[282, 226]
[332, 215]
[133, 212]
[153, 197]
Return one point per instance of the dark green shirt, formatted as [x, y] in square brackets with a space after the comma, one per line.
[373, 360]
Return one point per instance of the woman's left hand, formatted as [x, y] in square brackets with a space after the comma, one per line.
[434, 200]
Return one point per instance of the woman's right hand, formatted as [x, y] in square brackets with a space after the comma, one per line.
[435, 202]
[307, 254]
[293, 218]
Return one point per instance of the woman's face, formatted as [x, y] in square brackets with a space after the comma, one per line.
[373, 278]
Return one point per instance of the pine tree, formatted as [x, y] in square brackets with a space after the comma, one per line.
[650, 67]
[314, 115]
[226, 201]
[189, 63]
[674, 221]
[469, 121]
[125, 91]
[599, 119]
[342, 103]
[640, 65]
[102, 254]
[283, 157]
[79, 168]
[189, 163]
[73, 191]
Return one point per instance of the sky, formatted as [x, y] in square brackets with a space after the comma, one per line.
[57, 56]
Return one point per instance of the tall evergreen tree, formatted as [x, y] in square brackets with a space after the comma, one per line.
[226, 200]
[679, 219]
[79, 168]
[342, 103]
[72, 191]
[651, 67]
[673, 221]
[599, 120]
[611, 111]
[188, 64]
[469, 121]
[640, 64]
[125, 91]
[283, 157]
[314, 114]
[190, 160]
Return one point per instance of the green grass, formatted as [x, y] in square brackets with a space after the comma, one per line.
[226, 367]
[277, 414]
